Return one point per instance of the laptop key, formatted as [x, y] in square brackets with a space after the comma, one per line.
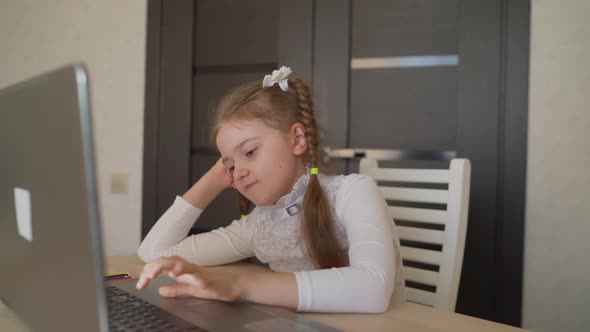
[116, 290]
[119, 298]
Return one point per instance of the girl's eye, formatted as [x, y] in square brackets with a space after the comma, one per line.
[250, 153]
[231, 169]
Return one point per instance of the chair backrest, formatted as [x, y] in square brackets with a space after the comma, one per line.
[432, 239]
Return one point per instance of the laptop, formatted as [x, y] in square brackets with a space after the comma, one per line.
[51, 256]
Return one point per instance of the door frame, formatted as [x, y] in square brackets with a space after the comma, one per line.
[168, 101]
[502, 101]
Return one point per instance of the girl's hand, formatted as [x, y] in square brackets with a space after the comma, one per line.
[220, 174]
[191, 280]
[204, 191]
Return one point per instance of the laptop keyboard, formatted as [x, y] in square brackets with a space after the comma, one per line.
[130, 313]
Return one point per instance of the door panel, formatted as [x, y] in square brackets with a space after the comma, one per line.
[386, 28]
[415, 107]
[229, 32]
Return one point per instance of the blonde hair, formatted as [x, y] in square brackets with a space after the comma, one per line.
[280, 110]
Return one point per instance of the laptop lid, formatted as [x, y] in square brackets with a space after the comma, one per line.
[49, 222]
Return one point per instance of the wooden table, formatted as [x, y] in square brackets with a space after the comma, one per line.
[399, 317]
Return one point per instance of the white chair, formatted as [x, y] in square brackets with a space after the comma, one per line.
[451, 238]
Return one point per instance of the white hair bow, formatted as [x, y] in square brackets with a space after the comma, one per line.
[278, 76]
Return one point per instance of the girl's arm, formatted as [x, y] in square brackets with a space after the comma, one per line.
[168, 237]
[209, 186]
[367, 284]
[269, 287]
[246, 282]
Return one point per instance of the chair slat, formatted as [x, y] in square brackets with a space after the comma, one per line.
[437, 196]
[421, 255]
[421, 235]
[422, 276]
[410, 175]
[438, 217]
[419, 296]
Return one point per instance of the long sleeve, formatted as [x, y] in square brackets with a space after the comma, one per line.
[220, 246]
[367, 284]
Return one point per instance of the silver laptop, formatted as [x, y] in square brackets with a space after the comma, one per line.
[51, 253]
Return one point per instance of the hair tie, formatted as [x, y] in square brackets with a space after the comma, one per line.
[244, 215]
[314, 171]
[278, 76]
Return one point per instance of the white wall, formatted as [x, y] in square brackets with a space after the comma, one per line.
[557, 245]
[109, 37]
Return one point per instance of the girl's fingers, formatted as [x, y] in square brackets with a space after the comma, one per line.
[190, 284]
[192, 279]
[229, 180]
[172, 265]
[150, 271]
[175, 290]
[144, 278]
[197, 283]
[187, 284]
[174, 269]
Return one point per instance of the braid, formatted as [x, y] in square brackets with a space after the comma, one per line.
[318, 223]
[307, 118]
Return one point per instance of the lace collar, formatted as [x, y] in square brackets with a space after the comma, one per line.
[292, 198]
[296, 193]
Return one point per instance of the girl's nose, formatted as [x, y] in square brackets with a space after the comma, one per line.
[241, 172]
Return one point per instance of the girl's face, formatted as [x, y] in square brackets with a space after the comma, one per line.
[264, 162]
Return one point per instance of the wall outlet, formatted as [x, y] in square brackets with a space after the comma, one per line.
[119, 183]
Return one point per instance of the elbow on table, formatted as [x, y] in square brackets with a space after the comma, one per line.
[379, 304]
[145, 254]
[378, 298]
[378, 290]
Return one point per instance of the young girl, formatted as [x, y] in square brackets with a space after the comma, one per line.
[329, 240]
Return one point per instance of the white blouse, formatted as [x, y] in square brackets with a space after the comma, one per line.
[272, 233]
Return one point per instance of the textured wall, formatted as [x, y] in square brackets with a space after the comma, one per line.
[109, 37]
[557, 244]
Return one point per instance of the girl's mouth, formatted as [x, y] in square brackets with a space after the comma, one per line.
[248, 186]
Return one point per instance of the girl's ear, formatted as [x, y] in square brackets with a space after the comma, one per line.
[298, 140]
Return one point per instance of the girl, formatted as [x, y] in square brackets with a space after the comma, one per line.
[329, 241]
